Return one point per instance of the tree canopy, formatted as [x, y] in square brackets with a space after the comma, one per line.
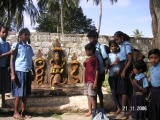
[74, 22]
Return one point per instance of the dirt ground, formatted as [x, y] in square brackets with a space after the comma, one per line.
[58, 117]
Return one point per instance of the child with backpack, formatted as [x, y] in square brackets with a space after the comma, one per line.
[102, 56]
[22, 72]
[114, 67]
[91, 77]
[154, 58]
[140, 84]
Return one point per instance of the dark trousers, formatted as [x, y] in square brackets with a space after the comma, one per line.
[113, 86]
[100, 81]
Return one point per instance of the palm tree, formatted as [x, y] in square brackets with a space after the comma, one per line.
[12, 12]
[155, 13]
[60, 7]
[137, 34]
[97, 2]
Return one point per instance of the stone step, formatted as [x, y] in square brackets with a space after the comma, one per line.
[59, 104]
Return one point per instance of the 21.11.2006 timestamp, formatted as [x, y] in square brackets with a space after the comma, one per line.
[133, 108]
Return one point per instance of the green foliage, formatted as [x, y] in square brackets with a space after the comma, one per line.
[57, 116]
[74, 22]
[137, 34]
[106, 84]
[12, 12]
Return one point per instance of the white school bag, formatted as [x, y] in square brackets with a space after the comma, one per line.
[101, 114]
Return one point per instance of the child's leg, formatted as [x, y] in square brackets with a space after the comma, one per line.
[23, 106]
[24, 102]
[16, 106]
[93, 102]
[89, 107]
[3, 100]
[4, 105]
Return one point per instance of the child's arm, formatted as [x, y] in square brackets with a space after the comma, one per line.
[140, 87]
[12, 67]
[33, 71]
[115, 62]
[131, 78]
[7, 53]
[96, 79]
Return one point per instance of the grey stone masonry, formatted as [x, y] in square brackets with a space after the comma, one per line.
[73, 43]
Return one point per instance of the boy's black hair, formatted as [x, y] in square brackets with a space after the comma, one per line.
[121, 34]
[93, 34]
[140, 65]
[90, 46]
[2, 26]
[112, 42]
[24, 30]
[154, 51]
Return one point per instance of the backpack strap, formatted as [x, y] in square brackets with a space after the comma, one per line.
[100, 51]
[16, 50]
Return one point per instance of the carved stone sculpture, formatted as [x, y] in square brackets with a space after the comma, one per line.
[74, 63]
[39, 64]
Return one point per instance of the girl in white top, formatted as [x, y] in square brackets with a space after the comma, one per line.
[114, 67]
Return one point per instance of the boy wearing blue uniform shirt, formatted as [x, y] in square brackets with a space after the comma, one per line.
[101, 54]
[154, 58]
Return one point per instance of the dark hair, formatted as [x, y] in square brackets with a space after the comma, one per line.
[93, 34]
[140, 65]
[2, 26]
[154, 51]
[112, 42]
[90, 46]
[24, 30]
[121, 34]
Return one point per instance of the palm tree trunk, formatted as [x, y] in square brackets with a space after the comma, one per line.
[62, 17]
[8, 22]
[100, 17]
[155, 14]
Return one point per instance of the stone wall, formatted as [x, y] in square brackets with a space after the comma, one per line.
[73, 43]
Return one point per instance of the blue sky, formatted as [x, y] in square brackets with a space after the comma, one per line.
[125, 15]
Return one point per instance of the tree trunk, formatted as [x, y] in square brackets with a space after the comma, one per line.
[100, 16]
[8, 22]
[62, 17]
[155, 14]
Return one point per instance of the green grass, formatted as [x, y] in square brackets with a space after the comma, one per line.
[106, 84]
[57, 116]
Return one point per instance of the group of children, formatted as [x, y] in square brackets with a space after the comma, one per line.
[127, 79]
[18, 80]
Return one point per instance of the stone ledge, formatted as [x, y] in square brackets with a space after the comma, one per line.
[59, 104]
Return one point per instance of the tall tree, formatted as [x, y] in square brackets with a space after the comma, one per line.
[155, 14]
[97, 2]
[62, 6]
[75, 22]
[13, 11]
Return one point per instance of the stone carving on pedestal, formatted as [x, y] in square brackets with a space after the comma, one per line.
[74, 65]
[57, 62]
[39, 64]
